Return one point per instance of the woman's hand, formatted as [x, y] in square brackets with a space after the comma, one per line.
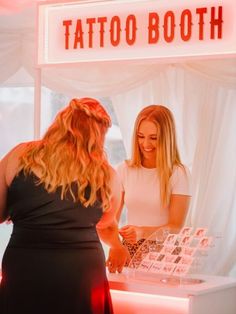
[131, 233]
[117, 258]
[118, 253]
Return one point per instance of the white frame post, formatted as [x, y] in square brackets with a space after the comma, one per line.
[37, 103]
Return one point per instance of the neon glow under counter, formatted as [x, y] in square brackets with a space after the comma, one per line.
[149, 294]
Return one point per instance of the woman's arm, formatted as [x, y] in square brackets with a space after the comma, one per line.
[120, 208]
[118, 254]
[8, 169]
[107, 229]
[178, 209]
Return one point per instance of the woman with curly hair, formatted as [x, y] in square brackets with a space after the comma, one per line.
[61, 193]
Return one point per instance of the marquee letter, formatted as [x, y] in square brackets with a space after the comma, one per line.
[216, 22]
[153, 28]
[101, 21]
[131, 20]
[79, 35]
[115, 28]
[169, 30]
[186, 35]
[90, 22]
[67, 23]
[201, 11]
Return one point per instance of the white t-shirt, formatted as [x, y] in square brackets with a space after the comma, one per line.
[142, 193]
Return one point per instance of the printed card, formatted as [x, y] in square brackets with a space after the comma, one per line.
[187, 260]
[181, 270]
[204, 243]
[145, 265]
[178, 259]
[177, 250]
[168, 268]
[167, 249]
[186, 240]
[185, 231]
[189, 251]
[151, 256]
[169, 258]
[200, 232]
[160, 257]
[170, 240]
[156, 267]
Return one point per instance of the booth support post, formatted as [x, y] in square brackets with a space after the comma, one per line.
[37, 103]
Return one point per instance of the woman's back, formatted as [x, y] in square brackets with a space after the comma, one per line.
[31, 206]
[54, 253]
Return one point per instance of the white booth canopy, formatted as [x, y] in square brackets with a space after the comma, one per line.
[201, 94]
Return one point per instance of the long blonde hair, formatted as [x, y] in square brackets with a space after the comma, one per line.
[167, 152]
[72, 150]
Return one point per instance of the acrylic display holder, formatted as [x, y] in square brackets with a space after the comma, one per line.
[173, 258]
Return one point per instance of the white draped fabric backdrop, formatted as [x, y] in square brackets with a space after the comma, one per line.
[201, 94]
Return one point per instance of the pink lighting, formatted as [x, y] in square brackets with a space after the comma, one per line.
[139, 29]
[111, 30]
[126, 302]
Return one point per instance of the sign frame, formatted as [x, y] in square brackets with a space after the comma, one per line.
[50, 45]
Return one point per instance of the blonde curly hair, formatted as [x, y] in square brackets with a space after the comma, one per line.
[72, 150]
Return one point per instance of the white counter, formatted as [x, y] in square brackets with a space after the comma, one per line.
[149, 294]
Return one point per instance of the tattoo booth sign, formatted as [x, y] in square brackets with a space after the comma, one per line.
[89, 31]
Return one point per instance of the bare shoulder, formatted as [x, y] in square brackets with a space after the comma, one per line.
[11, 162]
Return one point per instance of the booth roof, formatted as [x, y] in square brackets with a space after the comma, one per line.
[18, 55]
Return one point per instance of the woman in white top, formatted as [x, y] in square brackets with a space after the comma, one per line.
[156, 185]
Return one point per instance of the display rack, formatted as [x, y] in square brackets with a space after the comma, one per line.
[173, 257]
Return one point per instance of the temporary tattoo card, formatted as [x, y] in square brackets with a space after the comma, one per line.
[160, 257]
[187, 260]
[178, 259]
[204, 243]
[186, 240]
[145, 265]
[189, 251]
[177, 250]
[167, 249]
[200, 232]
[170, 239]
[168, 268]
[185, 231]
[156, 267]
[151, 256]
[181, 269]
[169, 258]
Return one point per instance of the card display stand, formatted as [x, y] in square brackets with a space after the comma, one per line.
[174, 256]
[165, 276]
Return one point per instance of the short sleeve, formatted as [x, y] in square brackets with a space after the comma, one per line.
[109, 216]
[180, 182]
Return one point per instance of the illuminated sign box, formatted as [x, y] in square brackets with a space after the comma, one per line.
[88, 31]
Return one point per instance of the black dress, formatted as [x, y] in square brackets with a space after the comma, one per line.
[54, 262]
